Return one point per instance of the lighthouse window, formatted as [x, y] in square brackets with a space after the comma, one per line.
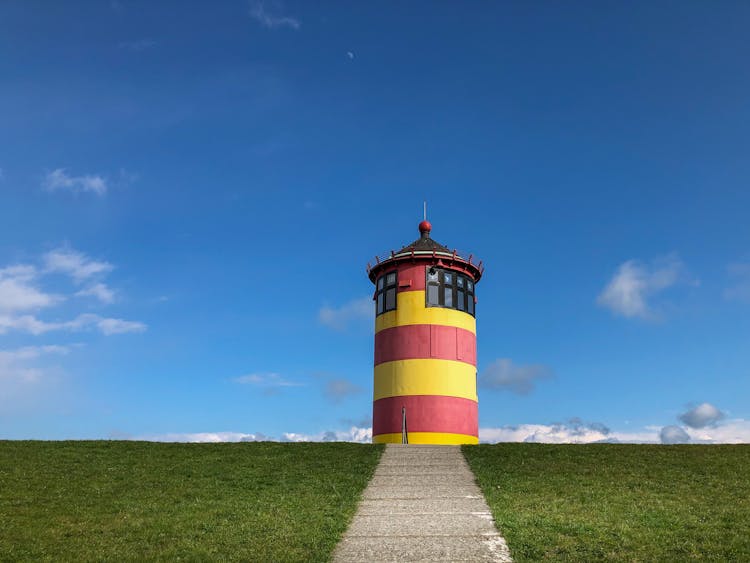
[449, 289]
[390, 299]
[386, 293]
[433, 295]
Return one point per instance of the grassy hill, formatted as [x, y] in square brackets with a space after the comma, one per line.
[607, 502]
[84, 501]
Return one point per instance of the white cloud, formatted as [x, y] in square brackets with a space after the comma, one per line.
[701, 416]
[25, 323]
[353, 434]
[24, 272]
[267, 380]
[28, 378]
[30, 352]
[340, 318]
[565, 433]
[739, 273]
[628, 292]
[503, 374]
[75, 264]
[32, 325]
[572, 432]
[674, 435]
[59, 179]
[734, 431]
[117, 326]
[99, 290]
[198, 437]
[336, 390]
[31, 379]
[18, 292]
[14, 364]
[271, 20]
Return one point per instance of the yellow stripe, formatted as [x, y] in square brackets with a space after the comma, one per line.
[426, 438]
[412, 311]
[425, 377]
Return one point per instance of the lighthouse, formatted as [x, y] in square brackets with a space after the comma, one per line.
[425, 378]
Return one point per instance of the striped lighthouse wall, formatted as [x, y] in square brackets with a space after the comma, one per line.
[425, 361]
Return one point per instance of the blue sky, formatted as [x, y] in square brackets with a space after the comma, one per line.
[190, 193]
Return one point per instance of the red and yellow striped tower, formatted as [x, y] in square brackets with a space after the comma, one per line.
[425, 345]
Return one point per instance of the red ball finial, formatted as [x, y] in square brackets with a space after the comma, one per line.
[425, 227]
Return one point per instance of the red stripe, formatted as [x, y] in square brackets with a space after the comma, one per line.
[425, 341]
[426, 413]
[411, 278]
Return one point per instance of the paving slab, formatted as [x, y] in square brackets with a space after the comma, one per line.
[401, 470]
[422, 504]
[443, 524]
[420, 480]
[403, 492]
[417, 549]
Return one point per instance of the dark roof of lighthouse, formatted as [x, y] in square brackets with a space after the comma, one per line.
[425, 243]
[424, 248]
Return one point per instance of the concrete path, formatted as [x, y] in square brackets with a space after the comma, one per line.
[422, 505]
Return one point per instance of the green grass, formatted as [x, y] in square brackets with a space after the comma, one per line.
[618, 502]
[84, 501]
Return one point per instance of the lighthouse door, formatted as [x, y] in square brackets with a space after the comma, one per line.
[404, 430]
